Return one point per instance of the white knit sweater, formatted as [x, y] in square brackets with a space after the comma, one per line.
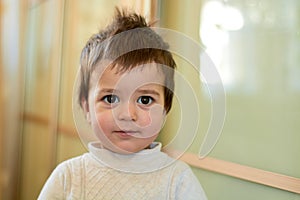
[102, 174]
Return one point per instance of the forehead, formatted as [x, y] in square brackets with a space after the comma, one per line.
[136, 77]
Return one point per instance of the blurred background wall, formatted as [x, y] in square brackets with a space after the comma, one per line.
[255, 45]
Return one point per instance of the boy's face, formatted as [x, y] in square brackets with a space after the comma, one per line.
[126, 110]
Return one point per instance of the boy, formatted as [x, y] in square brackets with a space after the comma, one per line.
[126, 90]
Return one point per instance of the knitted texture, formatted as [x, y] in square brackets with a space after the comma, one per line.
[85, 177]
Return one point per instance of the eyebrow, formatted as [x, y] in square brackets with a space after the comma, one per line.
[147, 91]
[113, 91]
[104, 90]
[108, 90]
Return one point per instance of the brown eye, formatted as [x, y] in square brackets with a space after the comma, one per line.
[111, 99]
[145, 100]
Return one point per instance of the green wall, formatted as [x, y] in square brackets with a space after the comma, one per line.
[262, 126]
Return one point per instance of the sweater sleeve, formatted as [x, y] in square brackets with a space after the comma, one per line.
[56, 186]
[187, 186]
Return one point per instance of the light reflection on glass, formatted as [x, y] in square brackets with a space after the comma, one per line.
[246, 39]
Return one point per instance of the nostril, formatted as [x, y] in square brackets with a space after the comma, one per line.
[126, 112]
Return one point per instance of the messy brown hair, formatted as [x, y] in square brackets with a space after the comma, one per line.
[127, 42]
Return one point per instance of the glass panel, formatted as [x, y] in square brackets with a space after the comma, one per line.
[10, 95]
[256, 47]
[42, 79]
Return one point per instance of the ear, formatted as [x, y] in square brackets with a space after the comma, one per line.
[86, 110]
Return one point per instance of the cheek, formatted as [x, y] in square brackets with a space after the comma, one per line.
[102, 122]
[153, 120]
[145, 119]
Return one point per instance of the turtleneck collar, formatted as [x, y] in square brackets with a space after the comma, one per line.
[147, 160]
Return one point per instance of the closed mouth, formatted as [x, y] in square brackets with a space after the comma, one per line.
[126, 132]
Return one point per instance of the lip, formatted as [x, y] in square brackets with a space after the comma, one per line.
[126, 133]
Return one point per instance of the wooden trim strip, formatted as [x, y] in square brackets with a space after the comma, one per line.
[243, 172]
[61, 129]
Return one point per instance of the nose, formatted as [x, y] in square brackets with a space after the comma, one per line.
[126, 112]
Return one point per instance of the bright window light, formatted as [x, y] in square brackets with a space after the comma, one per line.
[217, 20]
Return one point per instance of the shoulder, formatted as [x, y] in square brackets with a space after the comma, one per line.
[69, 165]
[185, 184]
[65, 169]
[59, 183]
[181, 171]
